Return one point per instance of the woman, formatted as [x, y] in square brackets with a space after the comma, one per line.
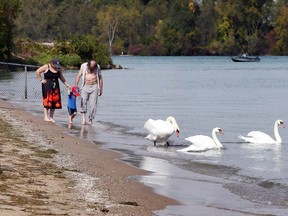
[50, 87]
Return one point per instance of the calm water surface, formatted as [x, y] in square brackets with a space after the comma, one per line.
[201, 93]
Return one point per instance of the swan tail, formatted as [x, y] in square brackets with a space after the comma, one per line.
[150, 137]
[246, 139]
[148, 124]
[182, 150]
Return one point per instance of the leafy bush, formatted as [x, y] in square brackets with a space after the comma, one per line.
[70, 60]
[88, 47]
[44, 58]
[71, 53]
[31, 61]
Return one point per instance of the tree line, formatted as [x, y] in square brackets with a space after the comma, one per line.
[159, 27]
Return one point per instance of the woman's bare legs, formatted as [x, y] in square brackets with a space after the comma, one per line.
[52, 115]
[46, 118]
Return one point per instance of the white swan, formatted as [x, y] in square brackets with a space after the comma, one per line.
[259, 137]
[203, 143]
[160, 131]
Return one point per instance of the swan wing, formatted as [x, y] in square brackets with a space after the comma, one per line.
[158, 130]
[247, 139]
[193, 148]
[260, 137]
[201, 141]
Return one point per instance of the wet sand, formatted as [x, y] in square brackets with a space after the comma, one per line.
[44, 171]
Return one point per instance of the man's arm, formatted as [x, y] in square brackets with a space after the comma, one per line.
[79, 76]
[99, 79]
[100, 84]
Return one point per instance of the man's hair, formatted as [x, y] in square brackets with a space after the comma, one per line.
[90, 63]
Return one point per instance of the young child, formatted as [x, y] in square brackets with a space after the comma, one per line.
[72, 108]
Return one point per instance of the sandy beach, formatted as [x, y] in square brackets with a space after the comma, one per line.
[44, 171]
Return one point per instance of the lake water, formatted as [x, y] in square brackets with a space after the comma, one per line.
[201, 93]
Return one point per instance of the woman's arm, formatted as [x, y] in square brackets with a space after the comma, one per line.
[40, 70]
[63, 80]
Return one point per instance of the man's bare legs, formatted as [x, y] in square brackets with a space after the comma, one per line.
[83, 118]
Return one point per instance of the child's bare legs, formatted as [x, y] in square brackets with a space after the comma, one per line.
[52, 115]
[71, 117]
[70, 120]
[46, 118]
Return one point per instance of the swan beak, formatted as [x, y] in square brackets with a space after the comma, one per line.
[177, 133]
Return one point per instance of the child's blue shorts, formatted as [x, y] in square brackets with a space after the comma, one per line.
[71, 111]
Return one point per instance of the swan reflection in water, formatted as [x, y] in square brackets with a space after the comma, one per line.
[258, 153]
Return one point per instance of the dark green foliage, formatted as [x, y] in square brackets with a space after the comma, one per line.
[155, 27]
[71, 53]
[88, 47]
[71, 60]
[8, 12]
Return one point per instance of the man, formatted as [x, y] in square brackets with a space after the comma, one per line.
[91, 88]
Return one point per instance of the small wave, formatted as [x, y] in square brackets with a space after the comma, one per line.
[117, 128]
[265, 192]
[110, 126]
[258, 190]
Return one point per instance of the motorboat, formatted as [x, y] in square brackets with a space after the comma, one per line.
[245, 58]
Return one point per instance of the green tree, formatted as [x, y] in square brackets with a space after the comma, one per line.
[48, 20]
[88, 47]
[36, 20]
[160, 27]
[281, 31]
[130, 21]
[246, 19]
[207, 23]
[109, 19]
[8, 12]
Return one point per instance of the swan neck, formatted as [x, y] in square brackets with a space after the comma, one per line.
[276, 132]
[217, 142]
